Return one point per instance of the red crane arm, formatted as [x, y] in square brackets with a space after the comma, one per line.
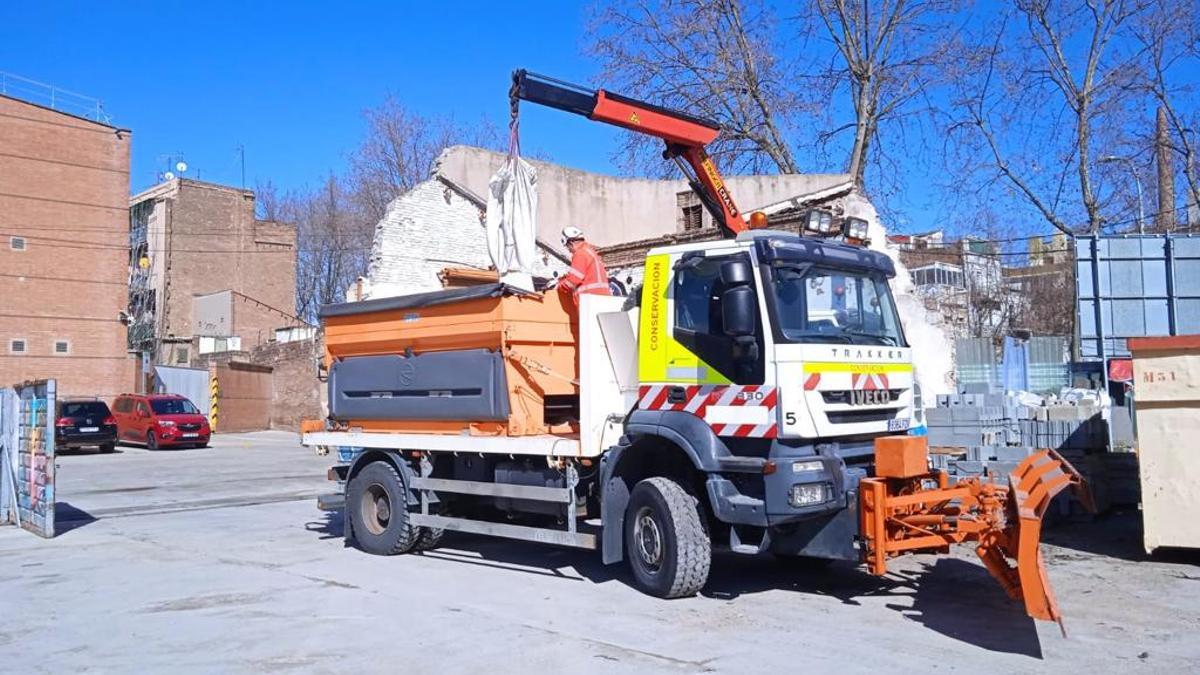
[685, 135]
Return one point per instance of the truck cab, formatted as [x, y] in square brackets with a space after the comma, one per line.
[774, 335]
[774, 361]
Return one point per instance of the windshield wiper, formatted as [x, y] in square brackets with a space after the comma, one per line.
[840, 337]
[888, 339]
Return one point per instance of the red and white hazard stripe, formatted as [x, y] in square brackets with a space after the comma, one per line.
[741, 411]
[869, 381]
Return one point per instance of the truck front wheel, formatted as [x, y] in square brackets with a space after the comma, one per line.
[665, 540]
[378, 509]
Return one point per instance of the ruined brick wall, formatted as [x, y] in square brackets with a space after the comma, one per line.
[426, 230]
[64, 185]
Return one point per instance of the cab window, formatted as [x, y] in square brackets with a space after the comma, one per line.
[698, 290]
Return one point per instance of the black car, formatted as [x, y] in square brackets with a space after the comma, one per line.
[87, 422]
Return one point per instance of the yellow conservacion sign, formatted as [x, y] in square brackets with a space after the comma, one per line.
[845, 367]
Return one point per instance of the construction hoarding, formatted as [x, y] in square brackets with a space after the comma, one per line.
[27, 456]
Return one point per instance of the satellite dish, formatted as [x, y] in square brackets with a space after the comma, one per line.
[181, 166]
[168, 176]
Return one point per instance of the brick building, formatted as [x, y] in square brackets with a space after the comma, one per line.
[207, 274]
[64, 226]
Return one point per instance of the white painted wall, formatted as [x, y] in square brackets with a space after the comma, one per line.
[426, 230]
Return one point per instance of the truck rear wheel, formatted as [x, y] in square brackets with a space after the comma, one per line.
[377, 504]
[668, 548]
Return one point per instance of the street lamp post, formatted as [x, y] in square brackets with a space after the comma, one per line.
[1137, 182]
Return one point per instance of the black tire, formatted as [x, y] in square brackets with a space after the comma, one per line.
[378, 508]
[107, 448]
[151, 441]
[429, 538]
[668, 548]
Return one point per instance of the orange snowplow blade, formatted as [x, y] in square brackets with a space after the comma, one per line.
[1031, 487]
[906, 513]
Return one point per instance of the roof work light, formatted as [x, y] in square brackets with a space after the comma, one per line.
[855, 228]
[819, 222]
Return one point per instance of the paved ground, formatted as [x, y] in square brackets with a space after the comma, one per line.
[217, 560]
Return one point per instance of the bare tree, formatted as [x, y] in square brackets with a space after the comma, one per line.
[397, 152]
[888, 53]
[333, 243]
[1036, 95]
[717, 59]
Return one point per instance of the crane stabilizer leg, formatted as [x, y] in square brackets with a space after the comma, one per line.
[906, 508]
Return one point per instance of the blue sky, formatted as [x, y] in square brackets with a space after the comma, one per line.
[202, 78]
[289, 82]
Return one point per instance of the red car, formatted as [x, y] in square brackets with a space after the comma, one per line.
[160, 421]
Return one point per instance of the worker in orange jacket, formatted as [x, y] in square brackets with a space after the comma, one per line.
[587, 273]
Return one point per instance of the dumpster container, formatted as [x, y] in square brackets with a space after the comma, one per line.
[1166, 401]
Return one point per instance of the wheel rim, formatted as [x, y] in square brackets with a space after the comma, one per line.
[648, 537]
[375, 508]
[151, 441]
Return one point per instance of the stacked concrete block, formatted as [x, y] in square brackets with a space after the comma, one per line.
[993, 432]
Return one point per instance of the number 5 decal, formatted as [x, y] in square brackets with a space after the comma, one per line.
[789, 418]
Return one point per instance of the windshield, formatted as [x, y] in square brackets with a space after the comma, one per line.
[815, 304]
[173, 406]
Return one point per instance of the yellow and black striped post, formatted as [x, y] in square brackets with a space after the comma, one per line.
[214, 393]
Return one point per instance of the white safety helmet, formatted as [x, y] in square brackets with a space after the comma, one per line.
[571, 233]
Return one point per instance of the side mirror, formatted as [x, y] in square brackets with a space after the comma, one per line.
[142, 414]
[736, 273]
[739, 312]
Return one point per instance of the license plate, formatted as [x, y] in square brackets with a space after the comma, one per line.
[190, 435]
[898, 424]
[89, 430]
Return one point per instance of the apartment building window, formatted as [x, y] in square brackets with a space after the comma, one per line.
[181, 356]
[62, 347]
[16, 243]
[17, 346]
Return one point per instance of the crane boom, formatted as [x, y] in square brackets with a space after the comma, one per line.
[685, 135]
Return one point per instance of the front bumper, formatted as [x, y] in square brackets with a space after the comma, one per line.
[764, 499]
[169, 436]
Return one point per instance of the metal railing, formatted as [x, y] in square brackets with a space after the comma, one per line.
[55, 98]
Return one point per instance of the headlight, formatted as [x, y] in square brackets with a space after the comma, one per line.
[806, 466]
[166, 423]
[808, 494]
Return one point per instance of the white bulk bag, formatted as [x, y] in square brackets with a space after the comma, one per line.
[512, 221]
